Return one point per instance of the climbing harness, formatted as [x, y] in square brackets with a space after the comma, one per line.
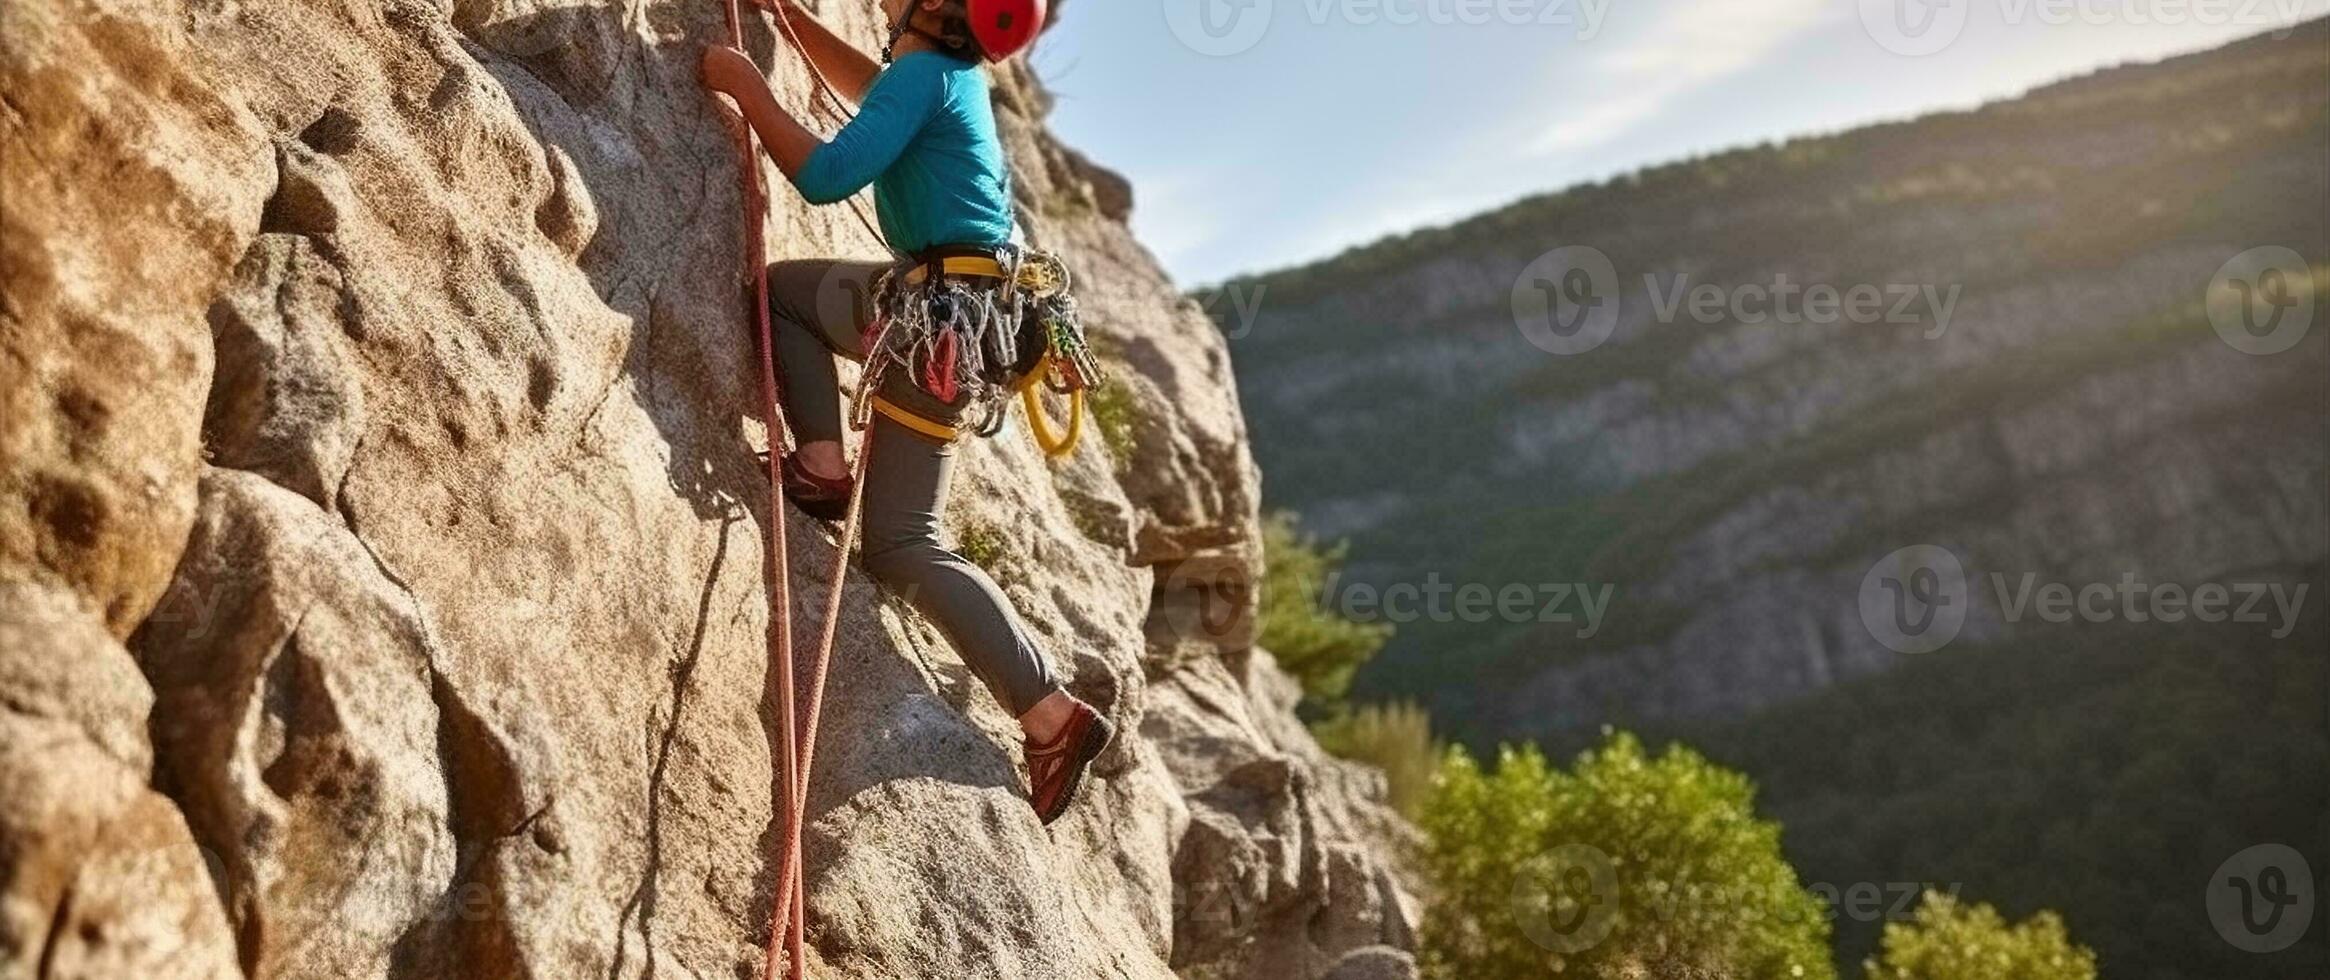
[1017, 329]
[976, 325]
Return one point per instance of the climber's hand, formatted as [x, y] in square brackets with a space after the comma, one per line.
[727, 71]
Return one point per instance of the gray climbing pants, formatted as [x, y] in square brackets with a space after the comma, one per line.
[819, 308]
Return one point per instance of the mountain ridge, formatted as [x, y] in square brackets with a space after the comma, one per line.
[1732, 479]
[1215, 291]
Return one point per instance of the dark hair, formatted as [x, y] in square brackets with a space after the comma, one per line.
[952, 32]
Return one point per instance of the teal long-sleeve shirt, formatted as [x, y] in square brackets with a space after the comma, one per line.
[925, 138]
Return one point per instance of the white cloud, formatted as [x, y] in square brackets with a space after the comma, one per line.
[1697, 44]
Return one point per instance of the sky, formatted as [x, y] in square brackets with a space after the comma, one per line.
[1265, 133]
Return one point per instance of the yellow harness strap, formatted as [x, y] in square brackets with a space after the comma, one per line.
[896, 413]
[959, 265]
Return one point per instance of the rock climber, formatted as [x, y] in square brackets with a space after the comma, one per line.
[924, 136]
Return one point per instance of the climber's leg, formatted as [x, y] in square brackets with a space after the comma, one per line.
[819, 307]
[906, 479]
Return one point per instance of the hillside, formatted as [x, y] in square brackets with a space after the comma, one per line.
[1730, 491]
[381, 544]
[2057, 403]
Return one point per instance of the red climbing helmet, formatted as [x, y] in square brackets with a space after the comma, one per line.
[1005, 27]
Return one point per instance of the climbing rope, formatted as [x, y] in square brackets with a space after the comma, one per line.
[780, 636]
[798, 742]
[1068, 367]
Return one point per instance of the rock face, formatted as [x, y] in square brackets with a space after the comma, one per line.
[381, 560]
[2040, 387]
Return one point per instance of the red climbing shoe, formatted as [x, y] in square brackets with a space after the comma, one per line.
[819, 497]
[1055, 770]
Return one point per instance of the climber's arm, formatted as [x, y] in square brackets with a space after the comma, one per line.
[848, 68]
[729, 72]
[895, 109]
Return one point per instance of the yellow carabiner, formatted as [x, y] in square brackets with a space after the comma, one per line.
[1040, 424]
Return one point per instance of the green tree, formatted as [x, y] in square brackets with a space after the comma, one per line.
[1626, 865]
[1950, 941]
[1315, 643]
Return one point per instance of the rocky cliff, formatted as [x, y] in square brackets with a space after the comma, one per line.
[2037, 382]
[381, 546]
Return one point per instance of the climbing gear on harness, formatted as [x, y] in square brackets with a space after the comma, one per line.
[1056, 769]
[975, 325]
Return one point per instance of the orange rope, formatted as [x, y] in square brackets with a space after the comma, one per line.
[787, 915]
[779, 570]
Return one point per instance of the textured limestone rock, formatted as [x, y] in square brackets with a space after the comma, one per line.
[403, 423]
[295, 725]
[1276, 872]
[98, 875]
[127, 186]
